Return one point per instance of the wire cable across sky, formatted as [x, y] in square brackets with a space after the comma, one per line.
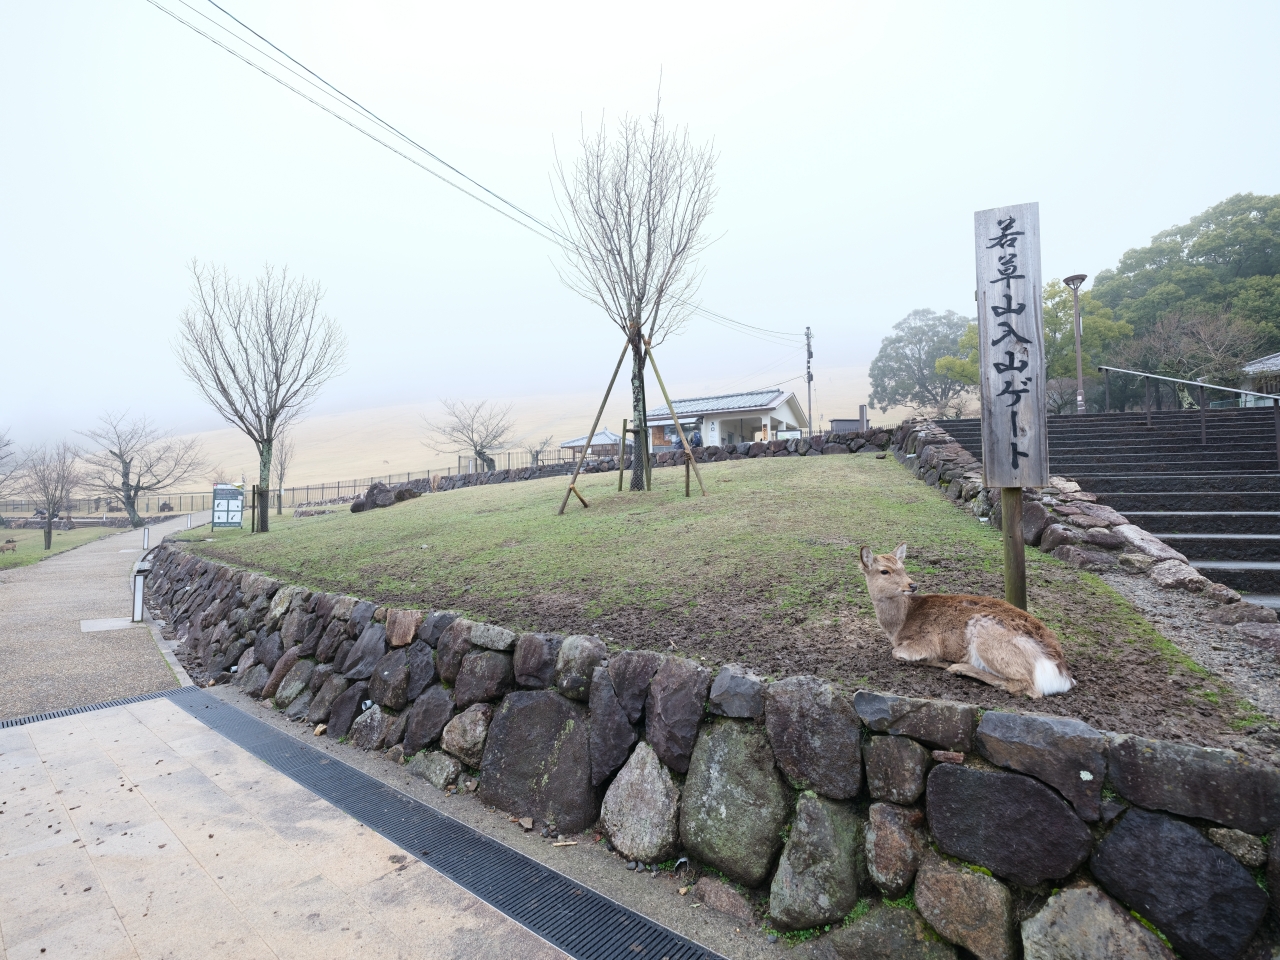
[346, 105]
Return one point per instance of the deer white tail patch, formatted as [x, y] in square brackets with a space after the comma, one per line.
[1049, 679]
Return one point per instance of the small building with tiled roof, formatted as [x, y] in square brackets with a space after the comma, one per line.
[603, 444]
[730, 418]
[1262, 375]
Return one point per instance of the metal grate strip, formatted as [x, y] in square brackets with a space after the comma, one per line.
[573, 918]
[71, 711]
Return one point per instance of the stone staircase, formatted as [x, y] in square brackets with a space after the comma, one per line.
[1218, 503]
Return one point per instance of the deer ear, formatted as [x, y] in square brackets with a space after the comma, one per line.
[901, 552]
[866, 557]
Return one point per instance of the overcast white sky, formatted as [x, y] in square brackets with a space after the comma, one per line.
[855, 140]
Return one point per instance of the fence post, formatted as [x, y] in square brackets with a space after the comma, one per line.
[1106, 391]
[1147, 403]
[1275, 405]
[1204, 438]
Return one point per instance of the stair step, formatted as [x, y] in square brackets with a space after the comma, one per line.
[1246, 576]
[1164, 523]
[1226, 547]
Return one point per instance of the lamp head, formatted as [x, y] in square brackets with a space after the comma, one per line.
[1075, 280]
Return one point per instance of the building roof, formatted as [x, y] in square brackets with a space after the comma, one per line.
[604, 436]
[725, 403]
[1269, 364]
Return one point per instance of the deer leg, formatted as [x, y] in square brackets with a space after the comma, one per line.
[977, 673]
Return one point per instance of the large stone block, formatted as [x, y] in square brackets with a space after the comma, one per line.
[737, 692]
[1083, 923]
[427, 718]
[1066, 754]
[368, 728]
[286, 663]
[673, 710]
[895, 842]
[1196, 894]
[454, 644]
[968, 908]
[465, 734]
[816, 736]
[334, 634]
[364, 656]
[896, 768]
[576, 664]
[942, 724]
[421, 660]
[485, 676]
[816, 880]
[438, 769]
[434, 624]
[268, 650]
[254, 679]
[389, 684]
[1144, 542]
[641, 810]
[535, 659]
[735, 802]
[333, 688]
[1219, 785]
[631, 672]
[294, 683]
[1013, 825]
[402, 626]
[612, 735]
[345, 709]
[886, 933]
[537, 761]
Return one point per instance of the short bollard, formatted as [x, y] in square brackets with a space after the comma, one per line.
[139, 581]
[146, 538]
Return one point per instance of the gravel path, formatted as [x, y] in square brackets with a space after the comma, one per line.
[1221, 649]
[46, 662]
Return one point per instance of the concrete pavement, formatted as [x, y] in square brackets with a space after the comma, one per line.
[138, 832]
[47, 662]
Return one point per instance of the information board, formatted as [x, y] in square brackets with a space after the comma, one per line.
[228, 506]
[1015, 436]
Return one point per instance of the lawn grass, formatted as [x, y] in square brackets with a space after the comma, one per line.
[763, 570]
[31, 543]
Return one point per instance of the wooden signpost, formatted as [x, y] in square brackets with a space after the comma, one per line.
[1015, 436]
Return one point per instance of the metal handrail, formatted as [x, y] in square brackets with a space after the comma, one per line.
[1201, 387]
[1192, 383]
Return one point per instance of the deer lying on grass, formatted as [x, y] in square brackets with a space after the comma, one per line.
[979, 637]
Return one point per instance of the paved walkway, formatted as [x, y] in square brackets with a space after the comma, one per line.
[138, 832]
[46, 661]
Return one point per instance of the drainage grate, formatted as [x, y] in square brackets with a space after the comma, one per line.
[71, 711]
[566, 914]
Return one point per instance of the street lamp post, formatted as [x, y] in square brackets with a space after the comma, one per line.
[1074, 282]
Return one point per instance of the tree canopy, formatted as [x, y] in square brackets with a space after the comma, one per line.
[1226, 260]
[906, 371]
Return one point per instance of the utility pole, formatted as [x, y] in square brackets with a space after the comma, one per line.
[808, 372]
[1074, 283]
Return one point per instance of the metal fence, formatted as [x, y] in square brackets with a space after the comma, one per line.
[190, 501]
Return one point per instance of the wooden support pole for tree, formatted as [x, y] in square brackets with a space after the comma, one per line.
[688, 450]
[686, 476]
[1015, 559]
[622, 451]
[596, 423]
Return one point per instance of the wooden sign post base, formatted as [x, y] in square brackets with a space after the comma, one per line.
[1015, 559]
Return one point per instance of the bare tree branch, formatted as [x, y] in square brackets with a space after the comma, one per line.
[283, 458]
[633, 209]
[536, 449]
[478, 429]
[258, 353]
[10, 465]
[130, 458]
[51, 474]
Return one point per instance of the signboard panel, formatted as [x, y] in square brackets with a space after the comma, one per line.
[228, 506]
[1015, 437]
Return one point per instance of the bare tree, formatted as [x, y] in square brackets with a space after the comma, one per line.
[10, 467]
[51, 474]
[283, 460]
[536, 449]
[632, 210]
[132, 458]
[478, 429]
[258, 352]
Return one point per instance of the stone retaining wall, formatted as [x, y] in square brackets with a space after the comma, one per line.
[381, 495]
[894, 826]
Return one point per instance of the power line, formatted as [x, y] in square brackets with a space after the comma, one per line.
[540, 228]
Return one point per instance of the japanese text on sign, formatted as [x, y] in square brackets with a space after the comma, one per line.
[1015, 450]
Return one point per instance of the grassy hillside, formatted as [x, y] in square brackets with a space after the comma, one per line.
[764, 571]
